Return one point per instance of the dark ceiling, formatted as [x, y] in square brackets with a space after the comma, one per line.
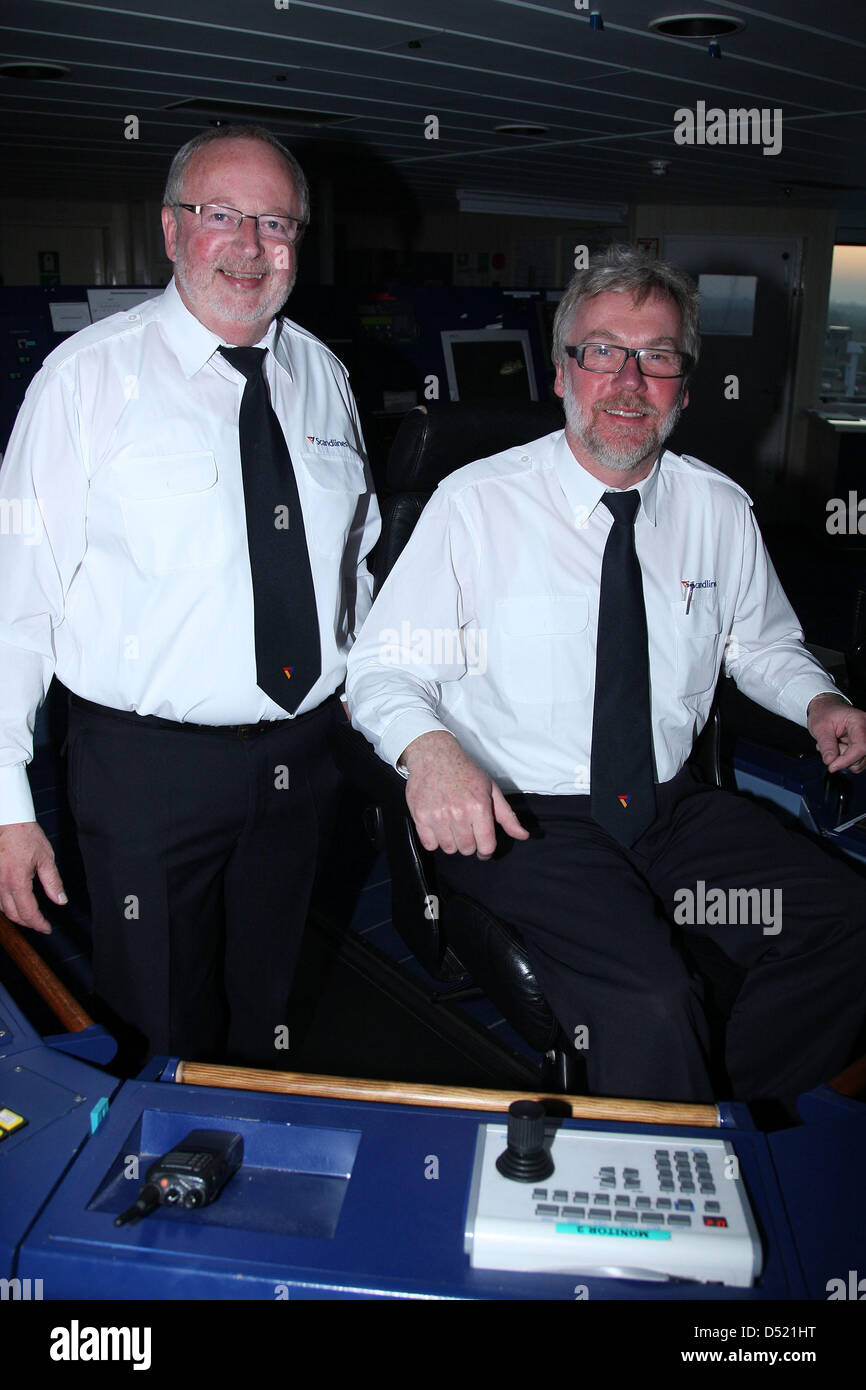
[350, 88]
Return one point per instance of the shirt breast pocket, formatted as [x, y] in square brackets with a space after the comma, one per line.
[171, 512]
[334, 486]
[544, 644]
[698, 635]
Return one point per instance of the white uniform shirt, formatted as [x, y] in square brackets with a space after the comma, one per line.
[124, 563]
[487, 624]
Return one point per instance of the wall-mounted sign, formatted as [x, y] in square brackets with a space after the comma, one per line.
[49, 267]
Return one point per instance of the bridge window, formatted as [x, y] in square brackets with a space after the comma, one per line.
[843, 369]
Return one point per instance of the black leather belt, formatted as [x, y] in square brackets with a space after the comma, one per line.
[154, 721]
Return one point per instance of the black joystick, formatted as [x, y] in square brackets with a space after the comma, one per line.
[526, 1159]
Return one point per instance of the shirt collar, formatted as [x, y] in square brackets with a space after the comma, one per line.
[192, 343]
[584, 492]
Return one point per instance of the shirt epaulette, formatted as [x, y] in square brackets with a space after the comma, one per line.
[691, 465]
[127, 321]
[508, 464]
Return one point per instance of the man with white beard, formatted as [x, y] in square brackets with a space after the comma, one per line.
[199, 468]
[613, 581]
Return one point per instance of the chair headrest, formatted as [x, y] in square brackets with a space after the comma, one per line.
[436, 439]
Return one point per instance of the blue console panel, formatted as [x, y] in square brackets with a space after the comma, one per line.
[335, 1199]
[61, 1099]
[351, 1200]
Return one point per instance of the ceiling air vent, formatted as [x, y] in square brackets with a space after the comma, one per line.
[255, 111]
[35, 72]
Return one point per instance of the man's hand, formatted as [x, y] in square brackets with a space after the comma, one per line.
[24, 850]
[839, 731]
[454, 804]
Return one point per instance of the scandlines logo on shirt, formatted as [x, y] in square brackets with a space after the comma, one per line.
[327, 443]
[691, 584]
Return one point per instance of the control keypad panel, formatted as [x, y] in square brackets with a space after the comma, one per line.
[619, 1203]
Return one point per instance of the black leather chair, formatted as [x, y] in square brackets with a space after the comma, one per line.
[454, 938]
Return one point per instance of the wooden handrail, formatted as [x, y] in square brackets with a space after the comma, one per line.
[656, 1112]
[43, 979]
[851, 1081]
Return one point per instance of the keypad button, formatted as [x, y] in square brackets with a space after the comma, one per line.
[546, 1209]
[683, 1204]
[539, 1194]
[652, 1218]
[574, 1211]
[677, 1219]
[643, 1202]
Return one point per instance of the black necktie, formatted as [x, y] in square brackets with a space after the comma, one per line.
[622, 791]
[288, 653]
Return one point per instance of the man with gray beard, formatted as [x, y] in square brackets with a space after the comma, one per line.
[199, 469]
[614, 581]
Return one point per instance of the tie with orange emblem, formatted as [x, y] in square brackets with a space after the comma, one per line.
[622, 789]
[288, 650]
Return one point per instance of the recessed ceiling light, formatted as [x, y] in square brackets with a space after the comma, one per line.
[35, 72]
[697, 26]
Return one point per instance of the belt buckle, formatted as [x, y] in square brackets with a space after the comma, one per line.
[244, 730]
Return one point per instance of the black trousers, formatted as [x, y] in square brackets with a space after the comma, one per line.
[602, 927]
[200, 849]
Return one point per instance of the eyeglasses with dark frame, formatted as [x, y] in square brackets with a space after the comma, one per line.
[611, 358]
[273, 226]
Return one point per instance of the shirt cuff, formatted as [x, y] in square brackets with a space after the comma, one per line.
[16, 802]
[798, 694]
[828, 691]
